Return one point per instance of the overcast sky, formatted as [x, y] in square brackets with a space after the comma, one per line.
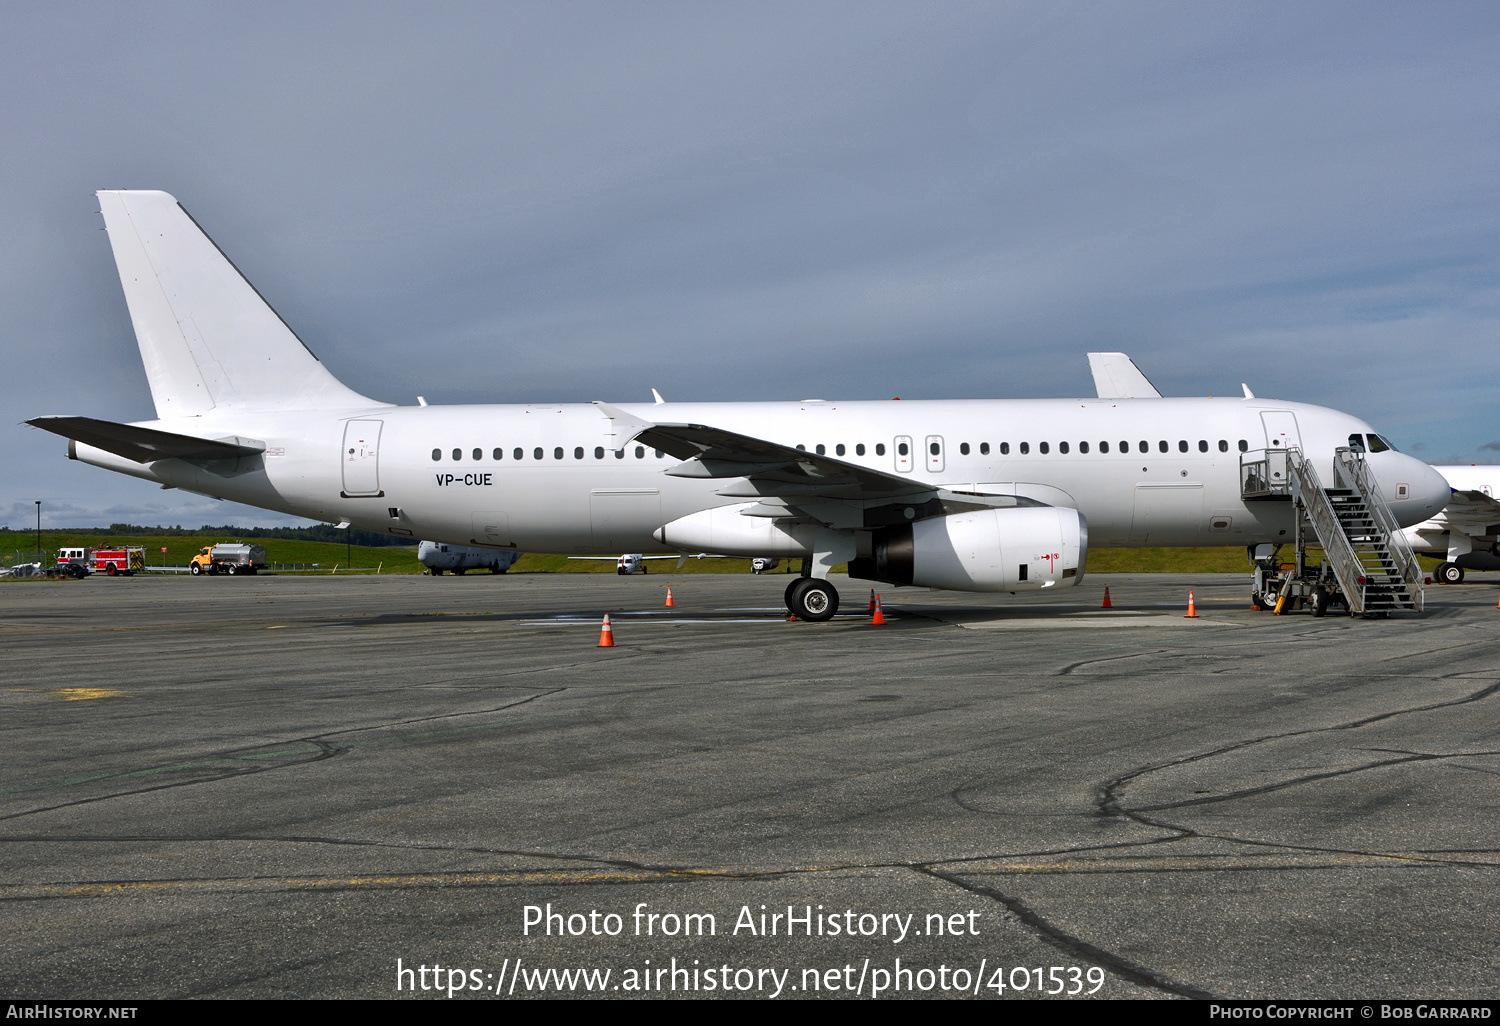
[574, 201]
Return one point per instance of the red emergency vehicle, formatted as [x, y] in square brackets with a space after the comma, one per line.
[126, 559]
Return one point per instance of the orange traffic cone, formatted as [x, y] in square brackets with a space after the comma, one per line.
[872, 600]
[1107, 603]
[606, 636]
[670, 603]
[1192, 611]
[878, 619]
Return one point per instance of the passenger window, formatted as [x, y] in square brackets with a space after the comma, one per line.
[498, 454]
[619, 454]
[578, 453]
[1145, 446]
[1223, 445]
[1062, 447]
[1043, 448]
[519, 453]
[658, 453]
[802, 448]
[1104, 447]
[1004, 448]
[838, 450]
[879, 448]
[984, 448]
[1025, 448]
[820, 449]
[1163, 445]
[478, 455]
[536, 453]
[458, 454]
[557, 453]
[1244, 445]
[1083, 447]
[1182, 445]
[859, 450]
[437, 454]
[902, 449]
[1202, 445]
[963, 448]
[598, 452]
[1124, 448]
[640, 452]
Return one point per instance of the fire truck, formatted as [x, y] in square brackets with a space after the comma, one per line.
[125, 560]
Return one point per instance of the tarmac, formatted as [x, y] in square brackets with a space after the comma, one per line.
[324, 786]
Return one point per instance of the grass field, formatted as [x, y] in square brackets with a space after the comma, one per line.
[18, 547]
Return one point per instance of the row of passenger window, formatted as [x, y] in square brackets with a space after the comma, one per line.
[1024, 448]
[902, 449]
[540, 453]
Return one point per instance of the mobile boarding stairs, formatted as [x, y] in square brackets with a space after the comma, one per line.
[1367, 565]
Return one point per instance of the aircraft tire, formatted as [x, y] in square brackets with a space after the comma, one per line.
[790, 589]
[1449, 573]
[620, 571]
[1320, 601]
[816, 601]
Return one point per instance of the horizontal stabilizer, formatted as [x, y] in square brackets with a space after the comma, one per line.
[1117, 377]
[144, 445]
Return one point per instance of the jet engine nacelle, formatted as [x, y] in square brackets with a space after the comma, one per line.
[1022, 549]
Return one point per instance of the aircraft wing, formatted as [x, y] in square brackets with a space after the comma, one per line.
[144, 445]
[1117, 377]
[794, 483]
[1473, 512]
[772, 468]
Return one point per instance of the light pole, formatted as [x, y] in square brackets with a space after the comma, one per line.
[39, 529]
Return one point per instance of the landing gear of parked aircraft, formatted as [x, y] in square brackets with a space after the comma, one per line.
[1448, 573]
[811, 599]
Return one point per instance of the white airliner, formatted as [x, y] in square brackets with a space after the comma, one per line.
[460, 559]
[978, 495]
[630, 562]
[1466, 534]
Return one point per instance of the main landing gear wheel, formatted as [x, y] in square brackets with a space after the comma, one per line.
[814, 600]
[1449, 573]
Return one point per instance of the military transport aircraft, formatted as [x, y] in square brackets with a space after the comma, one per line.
[978, 495]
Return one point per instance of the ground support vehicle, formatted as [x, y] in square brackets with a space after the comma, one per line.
[229, 559]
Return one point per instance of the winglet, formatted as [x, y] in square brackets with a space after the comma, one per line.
[1248, 394]
[1117, 377]
[623, 426]
[657, 396]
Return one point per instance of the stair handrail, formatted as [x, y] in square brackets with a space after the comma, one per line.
[1351, 470]
[1312, 500]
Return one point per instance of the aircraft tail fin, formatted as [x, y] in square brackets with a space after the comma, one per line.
[1117, 377]
[206, 335]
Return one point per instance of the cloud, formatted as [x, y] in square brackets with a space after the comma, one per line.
[551, 202]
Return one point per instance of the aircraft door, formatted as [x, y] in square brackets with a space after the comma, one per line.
[1281, 429]
[361, 458]
[902, 449]
[623, 518]
[934, 445]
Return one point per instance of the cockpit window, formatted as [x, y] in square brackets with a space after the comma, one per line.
[1378, 444]
[1356, 443]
